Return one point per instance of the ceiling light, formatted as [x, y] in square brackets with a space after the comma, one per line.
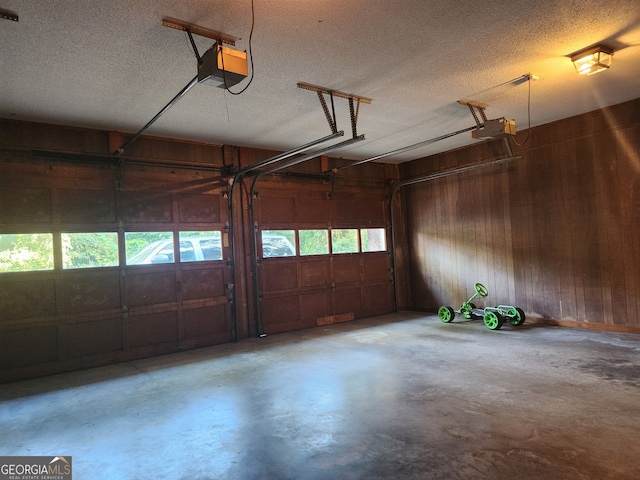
[592, 60]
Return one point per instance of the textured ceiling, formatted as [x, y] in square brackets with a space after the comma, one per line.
[111, 65]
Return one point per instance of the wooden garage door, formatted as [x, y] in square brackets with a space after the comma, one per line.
[62, 317]
[316, 288]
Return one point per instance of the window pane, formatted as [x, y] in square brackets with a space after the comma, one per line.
[314, 242]
[344, 240]
[278, 243]
[86, 250]
[26, 252]
[200, 246]
[144, 248]
[373, 239]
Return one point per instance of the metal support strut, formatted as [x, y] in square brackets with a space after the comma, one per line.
[354, 118]
[331, 116]
[195, 47]
[332, 123]
[402, 150]
[473, 106]
[173, 101]
[191, 30]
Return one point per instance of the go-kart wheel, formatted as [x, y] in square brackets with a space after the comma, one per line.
[446, 314]
[472, 305]
[518, 319]
[481, 290]
[493, 320]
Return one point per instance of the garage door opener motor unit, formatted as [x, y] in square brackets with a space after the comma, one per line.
[222, 66]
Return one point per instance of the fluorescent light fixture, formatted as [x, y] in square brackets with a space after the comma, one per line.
[592, 60]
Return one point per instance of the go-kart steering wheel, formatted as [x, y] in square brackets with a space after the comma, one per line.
[481, 290]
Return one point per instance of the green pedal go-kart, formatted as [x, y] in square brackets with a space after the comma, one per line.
[493, 317]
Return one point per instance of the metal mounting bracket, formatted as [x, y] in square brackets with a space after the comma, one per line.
[197, 30]
[495, 128]
[473, 106]
[331, 116]
[7, 15]
[194, 46]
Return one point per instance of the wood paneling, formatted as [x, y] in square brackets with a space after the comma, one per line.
[343, 212]
[201, 283]
[375, 268]
[147, 207]
[198, 208]
[89, 292]
[27, 299]
[314, 272]
[92, 338]
[347, 300]
[552, 232]
[25, 205]
[313, 209]
[152, 329]
[361, 209]
[147, 288]
[150, 148]
[41, 136]
[372, 210]
[207, 322]
[305, 291]
[274, 209]
[314, 306]
[346, 268]
[87, 206]
[28, 346]
[376, 299]
[280, 313]
[66, 319]
[278, 275]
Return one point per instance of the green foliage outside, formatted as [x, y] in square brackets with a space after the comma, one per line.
[85, 250]
[136, 241]
[364, 241]
[190, 233]
[344, 240]
[32, 252]
[26, 252]
[373, 239]
[314, 242]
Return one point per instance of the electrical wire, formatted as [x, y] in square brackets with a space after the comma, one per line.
[528, 116]
[226, 87]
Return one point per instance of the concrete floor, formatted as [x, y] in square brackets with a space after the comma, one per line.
[394, 397]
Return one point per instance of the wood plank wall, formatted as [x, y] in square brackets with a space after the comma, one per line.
[56, 179]
[555, 232]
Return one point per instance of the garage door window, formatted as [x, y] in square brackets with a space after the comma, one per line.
[278, 243]
[373, 239]
[314, 242]
[26, 252]
[89, 250]
[344, 240]
[146, 248]
[200, 246]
